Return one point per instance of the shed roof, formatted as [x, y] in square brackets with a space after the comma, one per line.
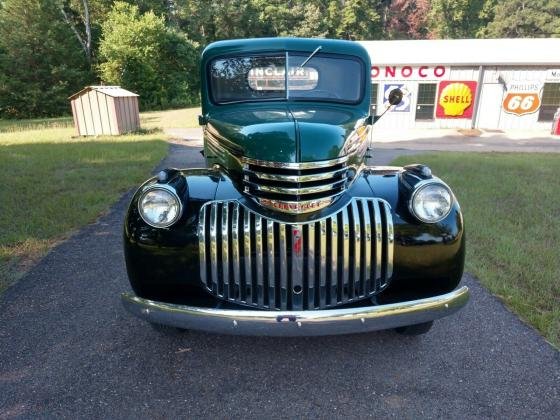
[519, 51]
[114, 91]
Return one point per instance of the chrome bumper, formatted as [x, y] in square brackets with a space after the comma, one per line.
[297, 323]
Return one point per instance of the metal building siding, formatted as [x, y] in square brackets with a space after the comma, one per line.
[103, 113]
[501, 75]
[112, 114]
[402, 120]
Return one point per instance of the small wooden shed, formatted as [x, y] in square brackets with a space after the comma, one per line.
[105, 110]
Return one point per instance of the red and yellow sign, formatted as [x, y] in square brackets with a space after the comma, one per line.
[456, 99]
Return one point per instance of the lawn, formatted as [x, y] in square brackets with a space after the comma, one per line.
[176, 118]
[52, 183]
[8, 126]
[511, 204]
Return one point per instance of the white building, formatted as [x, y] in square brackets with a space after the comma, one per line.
[467, 83]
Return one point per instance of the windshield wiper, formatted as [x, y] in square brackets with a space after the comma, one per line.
[310, 56]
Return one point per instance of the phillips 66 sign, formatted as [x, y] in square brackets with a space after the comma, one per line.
[522, 98]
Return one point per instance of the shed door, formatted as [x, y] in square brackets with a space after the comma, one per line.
[490, 106]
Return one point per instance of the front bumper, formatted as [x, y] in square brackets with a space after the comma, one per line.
[297, 323]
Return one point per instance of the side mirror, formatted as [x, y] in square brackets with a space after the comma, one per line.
[395, 96]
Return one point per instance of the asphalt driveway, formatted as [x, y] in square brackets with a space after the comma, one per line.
[69, 350]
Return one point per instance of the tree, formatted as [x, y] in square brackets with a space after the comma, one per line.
[522, 18]
[140, 53]
[71, 18]
[359, 19]
[458, 18]
[42, 64]
[407, 19]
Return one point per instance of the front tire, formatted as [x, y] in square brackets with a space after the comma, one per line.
[417, 329]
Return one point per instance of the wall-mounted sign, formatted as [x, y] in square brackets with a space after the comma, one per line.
[522, 98]
[404, 106]
[409, 72]
[455, 99]
[553, 75]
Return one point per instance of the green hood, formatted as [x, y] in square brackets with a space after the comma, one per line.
[287, 132]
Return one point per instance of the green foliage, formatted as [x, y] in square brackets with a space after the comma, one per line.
[139, 52]
[522, 18]
[359, 20]
[458, 18]
[50, 49]
[41, 62]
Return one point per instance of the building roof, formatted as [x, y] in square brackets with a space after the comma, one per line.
[519, 51]
[114, 91]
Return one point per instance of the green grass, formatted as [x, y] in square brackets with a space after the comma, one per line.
[176, 118]
[511, 204]
[8, 126]
[51, 184]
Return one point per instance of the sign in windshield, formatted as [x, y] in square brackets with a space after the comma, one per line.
[254, 78]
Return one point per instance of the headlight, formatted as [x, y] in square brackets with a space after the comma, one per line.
[431, 202]
[160, 206]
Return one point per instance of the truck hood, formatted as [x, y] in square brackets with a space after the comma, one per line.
[287, 132]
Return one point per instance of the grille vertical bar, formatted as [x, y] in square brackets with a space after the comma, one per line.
[312, 300]
[235, 256]
[378, 244]
[214, 247]
[270, 262]
[251, 259]
[225, 252]
[323, 266]
[283, 267]
[333, 286]
[346, 264]
[356, 288]
[367, 275]
[247, 257]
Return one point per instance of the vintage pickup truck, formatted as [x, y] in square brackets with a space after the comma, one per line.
[288, 231]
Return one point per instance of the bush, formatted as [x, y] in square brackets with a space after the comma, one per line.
[141, 54]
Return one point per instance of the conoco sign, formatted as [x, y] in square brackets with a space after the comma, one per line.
[409, 72]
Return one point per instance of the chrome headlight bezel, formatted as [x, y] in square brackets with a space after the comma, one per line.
[423, 185]
[168, 190]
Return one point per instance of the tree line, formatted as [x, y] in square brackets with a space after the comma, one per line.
[50, 49]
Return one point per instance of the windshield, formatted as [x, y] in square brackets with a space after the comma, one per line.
[324, 77]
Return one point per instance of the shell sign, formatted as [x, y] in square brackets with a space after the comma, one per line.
[455, 99]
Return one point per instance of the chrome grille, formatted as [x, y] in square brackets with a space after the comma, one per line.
[294, 187]
[250, 259]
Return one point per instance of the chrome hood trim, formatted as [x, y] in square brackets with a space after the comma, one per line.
[295, 187]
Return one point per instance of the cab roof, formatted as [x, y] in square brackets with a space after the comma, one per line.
[258, 45]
